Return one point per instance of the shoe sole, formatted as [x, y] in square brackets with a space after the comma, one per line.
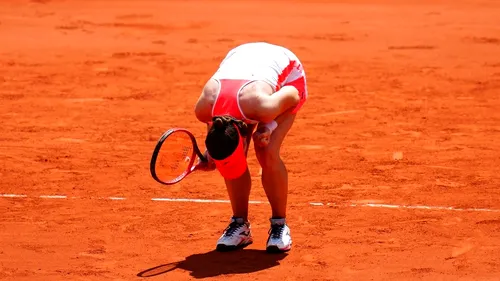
[276, 250]
[226, 248]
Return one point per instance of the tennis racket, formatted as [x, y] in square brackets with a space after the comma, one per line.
[174, 156]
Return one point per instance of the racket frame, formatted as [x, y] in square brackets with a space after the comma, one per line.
[191, 167]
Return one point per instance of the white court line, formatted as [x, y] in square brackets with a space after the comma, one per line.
[54, 196]
[190, 200]
[202, 200]
[117, 198]
[107, 198]
[421, 207]
[315, 204]
[13, 195]
[114, 198]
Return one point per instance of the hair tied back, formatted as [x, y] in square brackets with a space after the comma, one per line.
[218, 122]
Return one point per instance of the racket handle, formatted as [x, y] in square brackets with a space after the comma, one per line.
[203, 158]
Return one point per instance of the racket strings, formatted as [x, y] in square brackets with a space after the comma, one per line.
[180, 158]
[174, 157]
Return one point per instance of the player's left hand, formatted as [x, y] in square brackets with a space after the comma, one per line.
[262, 136]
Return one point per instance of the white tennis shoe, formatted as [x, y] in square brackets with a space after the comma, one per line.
[280, 239]
[236, 236]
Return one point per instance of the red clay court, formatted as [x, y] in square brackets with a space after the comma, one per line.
[393, 161]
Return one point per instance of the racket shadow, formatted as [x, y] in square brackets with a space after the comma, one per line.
[215, 263]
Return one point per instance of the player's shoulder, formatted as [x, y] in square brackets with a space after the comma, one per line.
[210, 89]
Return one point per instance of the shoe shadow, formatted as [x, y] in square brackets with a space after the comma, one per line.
[215, 263]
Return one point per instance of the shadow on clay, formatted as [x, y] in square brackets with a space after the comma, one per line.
[215, 263]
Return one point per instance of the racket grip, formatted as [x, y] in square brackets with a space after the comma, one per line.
[203, 156]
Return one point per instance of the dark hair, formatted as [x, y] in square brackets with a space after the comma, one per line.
[222, 138]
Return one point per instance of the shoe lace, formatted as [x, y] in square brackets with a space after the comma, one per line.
[232, 228]
[276, 231]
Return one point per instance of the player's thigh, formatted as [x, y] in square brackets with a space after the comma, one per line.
[271, 152]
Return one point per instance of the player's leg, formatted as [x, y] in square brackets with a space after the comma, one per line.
[275, 183]
[239, 189]
[238, 234]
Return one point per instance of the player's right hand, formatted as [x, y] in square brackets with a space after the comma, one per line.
[206, 166]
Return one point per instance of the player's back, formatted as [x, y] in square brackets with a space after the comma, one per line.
[255, 61]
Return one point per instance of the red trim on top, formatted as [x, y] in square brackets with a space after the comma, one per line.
[284, 74]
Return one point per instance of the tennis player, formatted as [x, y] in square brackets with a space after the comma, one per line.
[255, 94]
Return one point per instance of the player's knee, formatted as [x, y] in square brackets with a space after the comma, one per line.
[268, 158]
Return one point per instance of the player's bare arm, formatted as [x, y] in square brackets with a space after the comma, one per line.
[272, 106]
[203, 107]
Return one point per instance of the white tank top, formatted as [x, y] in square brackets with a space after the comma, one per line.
[270, 63]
